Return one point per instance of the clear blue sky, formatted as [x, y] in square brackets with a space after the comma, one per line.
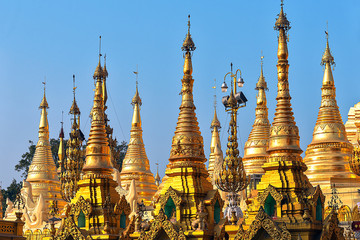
[56, 40]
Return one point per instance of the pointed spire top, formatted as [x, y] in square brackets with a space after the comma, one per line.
[99, 71]
[188, 44]
[74, 109]
[215, 122]
[44, 103]
[327, 57]
[61, 134]
[157, 176]
[105, 70]
[281, 21]
[136, 99]
[261, 84]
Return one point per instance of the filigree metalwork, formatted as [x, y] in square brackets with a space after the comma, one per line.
[264, 222]
[270, 190]
[122, 206]
[81, 205]
[334, 202]
[161, 223]
[232, 176]
[170, 193]
[69, 228]
[71, 167]
[355, 161]
[331, 228]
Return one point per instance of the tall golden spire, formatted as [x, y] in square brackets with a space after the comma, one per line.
[186, 173]
[98, 162]
[284, 190]
[216, 154]
[328, 155]
[42, 173]
[97, 207]
[105, 73]
[255, 152]
[61, 151]
[136, 163]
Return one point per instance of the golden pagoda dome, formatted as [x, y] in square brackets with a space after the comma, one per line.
[255, 150]
[136, 163]
[328, 154]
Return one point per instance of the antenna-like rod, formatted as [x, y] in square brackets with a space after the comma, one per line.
[327, 31]
[189, 23]
[214, 87]
[62, 119]
[74, 87]
[44, 82]
[99, 47]
[136, 73]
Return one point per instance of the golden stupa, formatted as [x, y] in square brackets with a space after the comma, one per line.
[328, 155]
[97, 209]
[285, 193]
[216, 154]
[42, 174]
[136, 164]
[186, 194]
[255, 150]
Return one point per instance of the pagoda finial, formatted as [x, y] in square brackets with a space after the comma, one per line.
[44, 103]
[327, 56]
[188, 45]
[215, 122]
[74, 109]
[136, 99]
[105, 70]
[281, 21]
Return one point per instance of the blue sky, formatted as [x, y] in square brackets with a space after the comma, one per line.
[59, 39]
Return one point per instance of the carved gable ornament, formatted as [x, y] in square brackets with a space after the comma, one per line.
[216, 197]
[122, 206]
[160, 225]
[331, 229]
[170, 193]
[81, 205]
[69, 228]
[263, 222]
[273, 192]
